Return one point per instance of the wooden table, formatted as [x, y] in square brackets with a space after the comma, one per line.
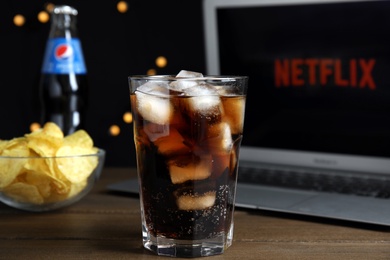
[105, 225]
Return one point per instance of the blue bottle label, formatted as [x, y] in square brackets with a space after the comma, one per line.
[63, 56]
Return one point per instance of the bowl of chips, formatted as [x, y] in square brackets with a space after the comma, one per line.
[45, 170]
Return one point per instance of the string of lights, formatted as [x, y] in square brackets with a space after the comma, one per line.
[43, 16]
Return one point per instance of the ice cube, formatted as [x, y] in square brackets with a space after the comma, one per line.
[196, 202]
[159, 88]
[189, 74]
[227, 89]
[222, 90]
[142, 138]
[234, 108]
[172, 143]
[201, 89]
[183, 169]
[203, 99]
[183, 82]
[153, 103]
[219, 143]
[155, 131]
[226, 137]
[220, 137]
[221, 162]
[224, 161]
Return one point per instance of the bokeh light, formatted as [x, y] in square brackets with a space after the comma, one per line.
[34, 126]
[19, 20]
[161, 62]
[114, 130]
[122, 6]
[49, 7]
[151, 72]
[43, 17]
[128, 117]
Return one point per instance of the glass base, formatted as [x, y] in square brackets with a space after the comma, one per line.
[188, 248]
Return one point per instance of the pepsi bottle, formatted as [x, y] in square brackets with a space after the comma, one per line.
[63, 83]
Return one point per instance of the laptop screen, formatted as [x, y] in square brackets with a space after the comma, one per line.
[319, 74]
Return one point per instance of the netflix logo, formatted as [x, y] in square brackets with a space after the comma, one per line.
[353, 73]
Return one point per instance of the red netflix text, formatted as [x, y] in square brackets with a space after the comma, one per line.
[300, 72]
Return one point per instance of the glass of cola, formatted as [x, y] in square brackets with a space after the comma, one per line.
[187, 133]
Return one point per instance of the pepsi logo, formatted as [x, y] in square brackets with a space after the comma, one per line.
[63, 52]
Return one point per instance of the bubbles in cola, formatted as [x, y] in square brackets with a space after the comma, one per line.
[187, 135]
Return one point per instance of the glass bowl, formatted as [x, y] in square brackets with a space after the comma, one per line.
[47, 183]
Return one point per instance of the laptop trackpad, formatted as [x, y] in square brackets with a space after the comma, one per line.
[252, 196]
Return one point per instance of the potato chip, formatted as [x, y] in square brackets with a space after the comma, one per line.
[61, 185]
[41, 181]
[37, 164]
[24, 192]
[33, 173]
[76, 188]
[18, 141]
[16, 149]
[3, 144]
[76, 169]
[47, 166]
[49, 131]
[10, 168]
[55, 197]
[79, 138]
[39, 174]
[53, 130]
[51, 135]
[42, 147]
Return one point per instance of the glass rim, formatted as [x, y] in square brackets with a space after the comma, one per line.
[100, 152]
[174, 78]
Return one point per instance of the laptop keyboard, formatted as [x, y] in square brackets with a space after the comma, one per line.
[317, 181]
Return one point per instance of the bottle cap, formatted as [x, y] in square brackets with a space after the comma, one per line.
[65, 9]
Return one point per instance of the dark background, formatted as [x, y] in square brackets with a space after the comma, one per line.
[115, 45]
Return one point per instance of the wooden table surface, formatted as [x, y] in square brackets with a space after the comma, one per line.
[106, 225]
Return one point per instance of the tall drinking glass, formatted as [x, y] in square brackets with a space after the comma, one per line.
[187, 133]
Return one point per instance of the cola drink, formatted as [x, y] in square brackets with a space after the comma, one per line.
[187, 133]
[63, 84]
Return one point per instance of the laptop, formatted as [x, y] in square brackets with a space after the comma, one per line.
[317, 123]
